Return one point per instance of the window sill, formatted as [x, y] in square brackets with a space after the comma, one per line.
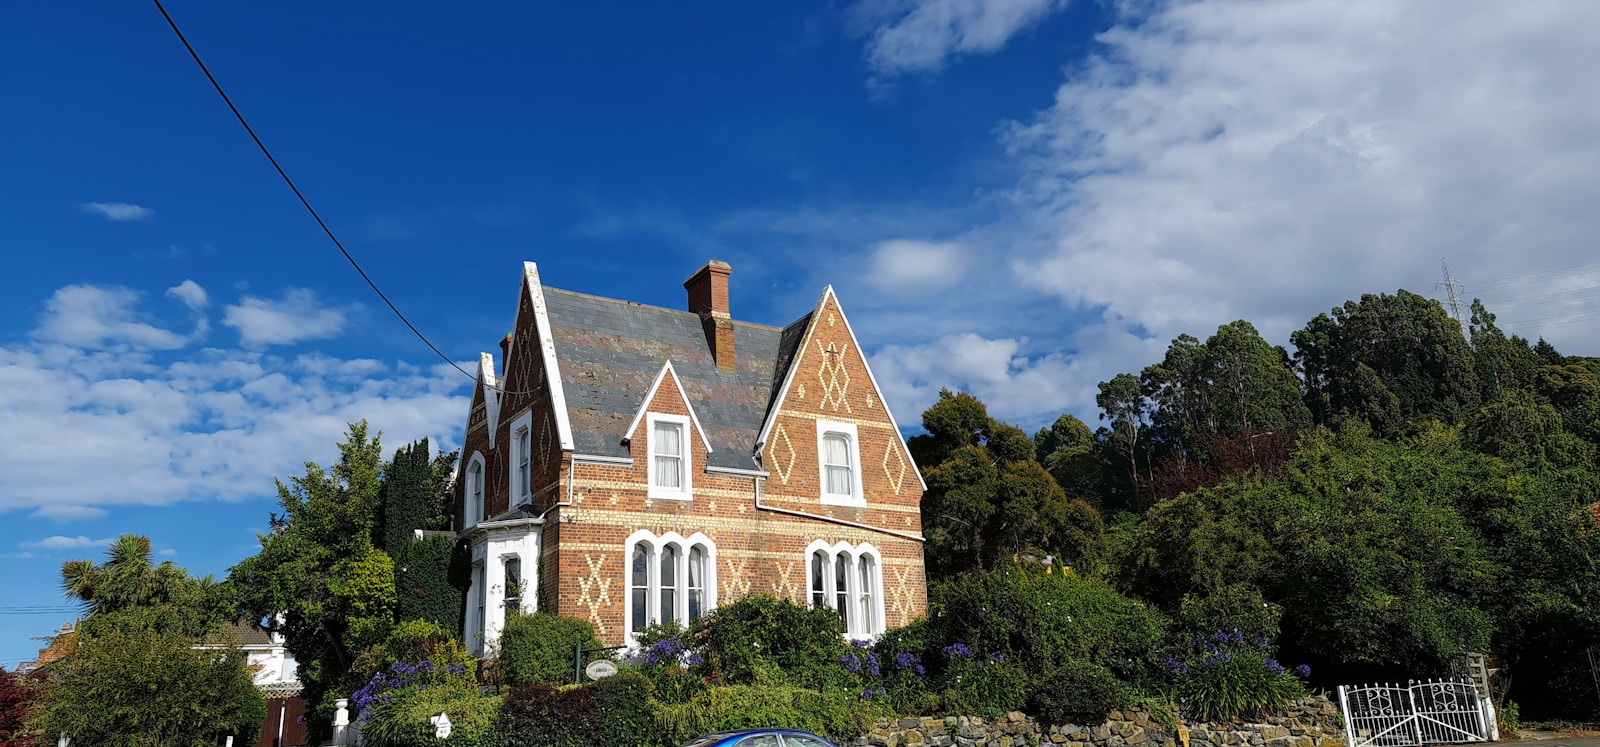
[843, 500]
[658, 494]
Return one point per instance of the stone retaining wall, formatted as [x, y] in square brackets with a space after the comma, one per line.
[1309, 722]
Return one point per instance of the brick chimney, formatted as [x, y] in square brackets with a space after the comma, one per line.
[708, 297]
[505, 353]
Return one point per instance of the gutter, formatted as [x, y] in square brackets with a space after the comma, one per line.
[759, 476]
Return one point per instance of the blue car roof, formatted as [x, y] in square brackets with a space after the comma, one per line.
[724, 737]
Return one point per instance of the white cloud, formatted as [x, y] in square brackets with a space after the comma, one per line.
[65, 513]
[921, 35]
[90, 316]
[1225, 159]
[192, 424]
[905, 266]
[118, 210]
[295, 317]
[59, 542]
[191, 294]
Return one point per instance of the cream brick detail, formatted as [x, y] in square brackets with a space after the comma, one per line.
[736, 585]
[902, 598]
[784, 586]
[783, 451]
[894, 466]
[587, 587]
[835, 377]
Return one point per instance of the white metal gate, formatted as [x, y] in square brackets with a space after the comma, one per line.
[1418, 713]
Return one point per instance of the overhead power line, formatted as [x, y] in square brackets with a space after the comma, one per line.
[307, 203]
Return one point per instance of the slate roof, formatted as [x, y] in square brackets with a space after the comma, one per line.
[610, 351]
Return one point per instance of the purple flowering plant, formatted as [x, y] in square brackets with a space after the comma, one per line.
[401, 677]
[1224, 675]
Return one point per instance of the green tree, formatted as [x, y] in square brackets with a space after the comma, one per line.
[1504, 365]
[320, 567]
[1403, 347]
[1125, 404]
[1232, 383]
[144, 688]
[989, 500]
[1071, 454]
[417, 494]
[128, 592]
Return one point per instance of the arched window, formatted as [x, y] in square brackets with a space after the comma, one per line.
[697, 582]
[643, 556]
[819, 579]
[474, 512]
[841, 585]
[866, 610]
[849, 580]
[668, 584]
[669, 578]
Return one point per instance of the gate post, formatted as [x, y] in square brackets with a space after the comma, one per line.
[1349, 722]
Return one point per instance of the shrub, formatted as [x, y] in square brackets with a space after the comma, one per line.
[838, 715]
[671, 669]
[135, 687]
[403, 721]
[416, 641]
[613, 712]
[1225, 676]
[981, 685]
[1038, 620]
[400, 679]
[1077, 692]
[1237, 607]
[894, 668]
[539, 648]
[760, 637]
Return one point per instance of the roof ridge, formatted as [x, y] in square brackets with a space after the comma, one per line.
[653, 307]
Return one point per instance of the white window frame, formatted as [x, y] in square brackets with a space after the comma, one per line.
[522, 590]
[655, 546]
[655, 492]
[850, 558]
[848, 430]
[474, 492]
[519, 475]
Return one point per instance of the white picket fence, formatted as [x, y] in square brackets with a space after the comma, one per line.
[1417, 713]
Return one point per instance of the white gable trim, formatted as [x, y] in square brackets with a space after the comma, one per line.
[666, 368]
[491, 395]
[547, 345]
[794, 365]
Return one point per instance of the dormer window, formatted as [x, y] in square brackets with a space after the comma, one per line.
[669, 456]
[839, 455]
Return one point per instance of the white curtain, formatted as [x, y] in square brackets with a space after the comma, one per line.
[669, 583]
[669, 455]
[697, 582]
[837, 457]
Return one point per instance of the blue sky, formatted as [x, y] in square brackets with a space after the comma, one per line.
[1015, 197]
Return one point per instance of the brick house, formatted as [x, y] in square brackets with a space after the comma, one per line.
[632, 464]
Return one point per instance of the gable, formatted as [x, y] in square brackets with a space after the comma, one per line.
[829, 380]
[675, 395]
